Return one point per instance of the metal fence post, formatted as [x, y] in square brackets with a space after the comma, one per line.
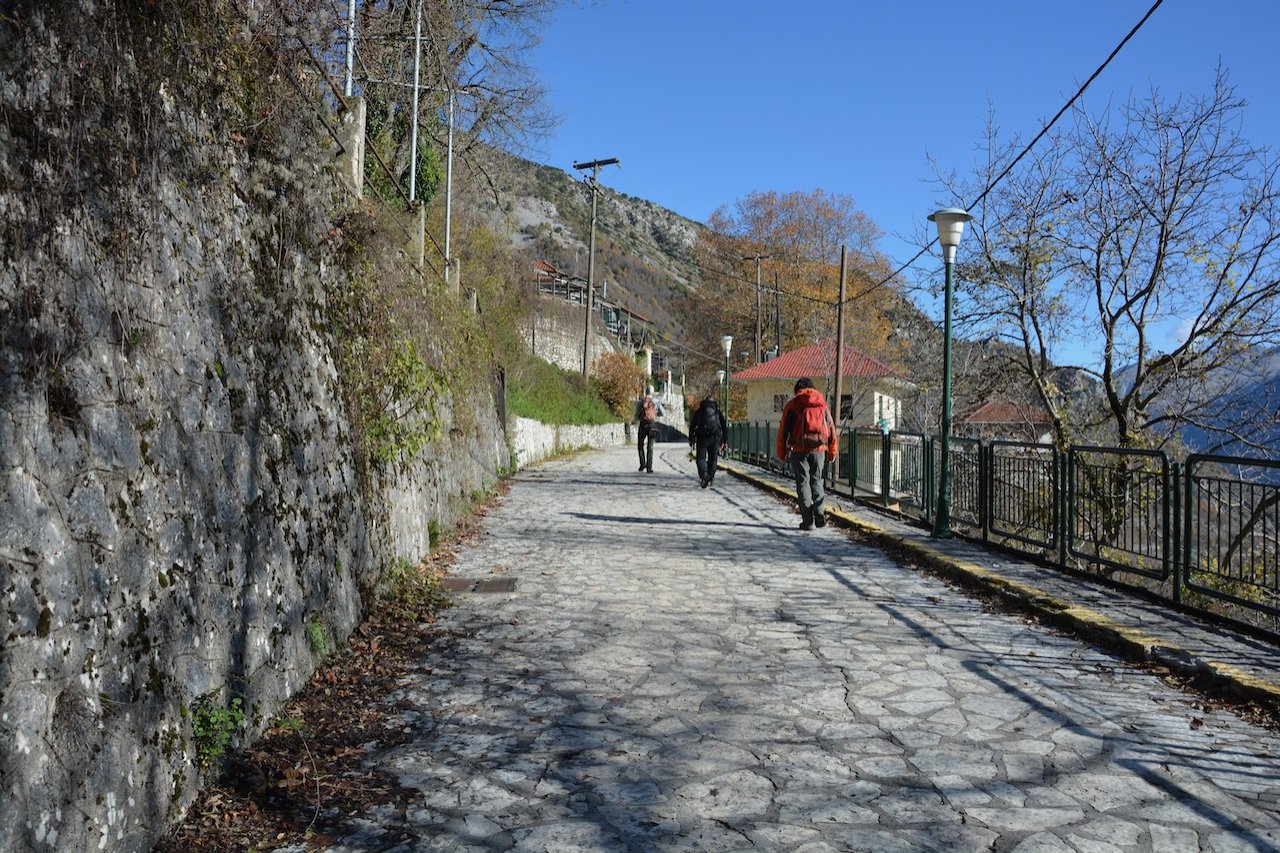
[929, 491]
[1066, 492]
[986, 486]
[884, 468]
[1181, 542]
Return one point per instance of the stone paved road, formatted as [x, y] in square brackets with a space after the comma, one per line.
[682, 669]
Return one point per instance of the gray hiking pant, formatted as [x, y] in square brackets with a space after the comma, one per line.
[807, 468]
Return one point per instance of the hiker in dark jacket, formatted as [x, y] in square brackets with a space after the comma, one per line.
[707, 431]
[807, 438]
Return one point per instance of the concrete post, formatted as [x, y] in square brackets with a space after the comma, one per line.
[351, 157]
[419, 233]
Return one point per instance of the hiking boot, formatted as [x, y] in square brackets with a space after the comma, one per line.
[806, 525]
[705, 482]
[641, 466]
[820, 520]
[650, 470]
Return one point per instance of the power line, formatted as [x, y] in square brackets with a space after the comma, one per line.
[1026, 150]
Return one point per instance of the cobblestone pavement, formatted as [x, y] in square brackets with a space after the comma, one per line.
[682, 669]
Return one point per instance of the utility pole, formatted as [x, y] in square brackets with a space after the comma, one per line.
[777, 315]
[840, 339]
[413, 145]
[349, 88]
[757, 258]
[594, 166]
[448, 196]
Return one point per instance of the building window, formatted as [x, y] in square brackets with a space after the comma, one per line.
[779, 402]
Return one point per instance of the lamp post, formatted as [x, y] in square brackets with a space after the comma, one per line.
[950, 222]
[726, 344]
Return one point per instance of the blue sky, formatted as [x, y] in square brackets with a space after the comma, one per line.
[704, 101]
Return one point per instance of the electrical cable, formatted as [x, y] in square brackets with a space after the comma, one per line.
[1027, 149]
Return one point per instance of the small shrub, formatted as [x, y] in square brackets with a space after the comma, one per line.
[413, 586]
[618, 380]
[213, 727]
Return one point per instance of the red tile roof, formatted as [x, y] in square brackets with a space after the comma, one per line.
[816, 361]
[1005, 411]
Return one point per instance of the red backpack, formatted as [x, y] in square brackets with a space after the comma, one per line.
[809, 428]
[649, 410]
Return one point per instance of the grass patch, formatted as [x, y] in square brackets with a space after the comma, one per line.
[547, 393]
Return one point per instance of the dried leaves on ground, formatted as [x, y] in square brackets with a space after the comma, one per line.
[307, 777]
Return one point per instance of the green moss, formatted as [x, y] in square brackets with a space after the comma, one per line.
[317, 637]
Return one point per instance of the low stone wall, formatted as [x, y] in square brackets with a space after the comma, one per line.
[533, 441]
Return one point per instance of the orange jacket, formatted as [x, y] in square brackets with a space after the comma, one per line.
[806, 398]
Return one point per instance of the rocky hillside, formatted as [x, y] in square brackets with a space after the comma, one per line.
[644, 251]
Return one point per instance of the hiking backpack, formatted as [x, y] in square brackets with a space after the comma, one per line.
[809, 428]
[708, 418]
[650, 410]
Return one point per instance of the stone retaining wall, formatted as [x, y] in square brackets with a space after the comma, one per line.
[533, 441]
[186, 518]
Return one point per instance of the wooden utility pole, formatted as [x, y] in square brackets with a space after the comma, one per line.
[777, 315]
[594, 166]
[757, 258]
[840, 339]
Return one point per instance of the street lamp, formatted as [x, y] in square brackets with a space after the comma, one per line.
[726, 344]
[950, 222]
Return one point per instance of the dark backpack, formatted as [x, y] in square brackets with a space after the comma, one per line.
[708, 418]
[809, 428]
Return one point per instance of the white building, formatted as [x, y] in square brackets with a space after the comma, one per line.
[871, 391]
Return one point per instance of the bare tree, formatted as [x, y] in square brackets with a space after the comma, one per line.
[1160, 214]
[472, 51]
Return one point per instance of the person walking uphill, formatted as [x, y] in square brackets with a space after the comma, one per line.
[807, 438]
[648, 410]
[707, 429]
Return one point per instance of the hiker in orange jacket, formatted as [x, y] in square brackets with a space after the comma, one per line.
[807, 438]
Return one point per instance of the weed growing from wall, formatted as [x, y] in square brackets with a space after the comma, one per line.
[317, 638]
[212, 728]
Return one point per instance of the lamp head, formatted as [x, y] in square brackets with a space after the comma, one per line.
[719, 377]
[950, 222]
[726, 344]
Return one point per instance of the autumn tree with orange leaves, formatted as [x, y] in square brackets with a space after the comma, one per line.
[801, 234]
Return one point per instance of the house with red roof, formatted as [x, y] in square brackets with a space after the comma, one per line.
[1006, 419]
[871, 390]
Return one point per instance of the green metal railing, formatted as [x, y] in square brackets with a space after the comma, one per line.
[1022, 503]
[1204, 532]
[1118, 510]
[1231, 531]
